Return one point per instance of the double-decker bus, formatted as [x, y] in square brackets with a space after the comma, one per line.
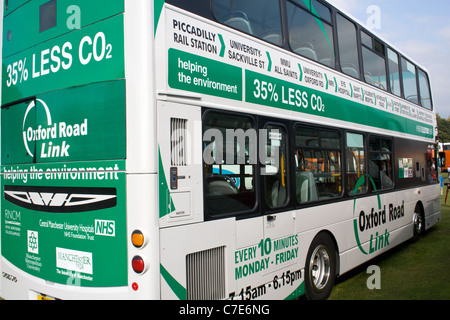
[207, 149]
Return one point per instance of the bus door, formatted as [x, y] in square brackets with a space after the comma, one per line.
[180, 163]
[279, 243]
[193, 251]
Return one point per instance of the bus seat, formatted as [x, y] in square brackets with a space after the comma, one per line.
[307, 50]
[369, 78]
[239, 20]
[328, 62]
[278, 196]
[306, 187]
[274, 38]
[351, 72]
[220, 187]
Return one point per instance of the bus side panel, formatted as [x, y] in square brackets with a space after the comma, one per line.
[179, 243]
[63, 214]
[16, 286]
[374, 231]
[142, 208]
[432, 204]
[142, 146]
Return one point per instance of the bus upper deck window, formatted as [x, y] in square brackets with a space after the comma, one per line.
[348, 46]
[374, 61]
[394, 72]
[409, 78]
[425, 94]
[310, 33]
[259, 18]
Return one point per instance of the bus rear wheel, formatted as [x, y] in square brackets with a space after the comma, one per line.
[418, 223]
[320, 273]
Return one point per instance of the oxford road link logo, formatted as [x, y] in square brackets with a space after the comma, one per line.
[376, 218]
[357, 220]
[44, 134]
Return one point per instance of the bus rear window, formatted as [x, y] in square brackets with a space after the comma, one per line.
[47, 16]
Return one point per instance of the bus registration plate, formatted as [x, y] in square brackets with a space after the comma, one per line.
[42, 297]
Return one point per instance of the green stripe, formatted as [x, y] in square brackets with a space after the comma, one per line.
[301, 72]
[166, 205]
[335, 107]
[355, 226]
[270, 61]
[362, 181]
[159, 4]
[177, 288]
[300, 291]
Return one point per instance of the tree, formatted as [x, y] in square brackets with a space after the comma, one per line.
[444, 129]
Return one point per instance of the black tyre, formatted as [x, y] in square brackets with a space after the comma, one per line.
[320, 268]
[418, 224]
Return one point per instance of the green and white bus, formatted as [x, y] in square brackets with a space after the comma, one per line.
[205, 149]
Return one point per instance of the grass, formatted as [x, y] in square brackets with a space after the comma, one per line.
[411, 271]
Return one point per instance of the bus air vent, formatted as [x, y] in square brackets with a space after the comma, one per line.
[178, 141]
[205, 272]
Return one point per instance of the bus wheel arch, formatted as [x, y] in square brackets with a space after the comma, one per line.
[418, 221]
[321, 266]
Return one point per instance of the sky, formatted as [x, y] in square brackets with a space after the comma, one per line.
[418, 29]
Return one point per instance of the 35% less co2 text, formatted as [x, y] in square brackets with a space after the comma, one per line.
[17, 72]
[289, 96]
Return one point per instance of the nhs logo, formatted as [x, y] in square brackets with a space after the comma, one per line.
[105, 228]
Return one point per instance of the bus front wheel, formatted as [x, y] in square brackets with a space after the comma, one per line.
[320, 268]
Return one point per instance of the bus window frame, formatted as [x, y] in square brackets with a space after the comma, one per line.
[392, 161]
[281, 21]
[320, 148]
[427, 77]
[403, 58]
[331, 24]
[358, 45]
[373, 50]
[239, 215]
[400, 80]
[348, 191]
[266, 209]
